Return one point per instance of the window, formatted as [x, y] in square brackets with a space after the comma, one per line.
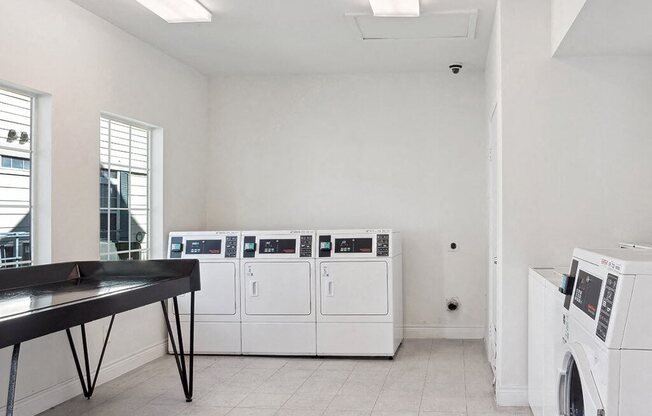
[15, 179]
[124, 191]
[15, 162]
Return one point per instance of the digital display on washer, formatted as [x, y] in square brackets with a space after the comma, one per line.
[203, 246]
[278, 246]
[354, 245]
[587, 293]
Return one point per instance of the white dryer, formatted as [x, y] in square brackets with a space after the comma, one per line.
[278, 293]
[360, 293]
[606, 363]
[217, 304]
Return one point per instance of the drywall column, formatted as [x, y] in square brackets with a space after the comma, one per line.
[493, 117]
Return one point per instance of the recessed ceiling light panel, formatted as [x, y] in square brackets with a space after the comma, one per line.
[178, 11]
[457, 24]
[394, 8]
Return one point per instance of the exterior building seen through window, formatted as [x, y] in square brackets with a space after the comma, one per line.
[15, 179]
[124, 191]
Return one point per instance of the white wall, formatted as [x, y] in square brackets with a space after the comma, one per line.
[88, 66]
[404, 151]
[576, 165]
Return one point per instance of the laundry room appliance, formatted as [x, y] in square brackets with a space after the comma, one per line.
[217, 304]
[278, 293]
[360, 293]
[606, 363]
[545, 337]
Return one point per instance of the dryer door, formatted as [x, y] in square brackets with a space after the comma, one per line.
[219, 290]
[354, 288]
[578, 394]
[277, 288]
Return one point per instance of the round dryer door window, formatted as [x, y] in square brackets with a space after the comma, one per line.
[578, 394]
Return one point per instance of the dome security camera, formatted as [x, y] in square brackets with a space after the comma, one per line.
[455, 68]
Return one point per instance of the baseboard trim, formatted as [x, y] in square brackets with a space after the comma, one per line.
[45, 399]
[512, 396]
[447, 332]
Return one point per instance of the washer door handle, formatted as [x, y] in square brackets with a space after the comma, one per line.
[330, 291]
[253, 288]
[561, 395]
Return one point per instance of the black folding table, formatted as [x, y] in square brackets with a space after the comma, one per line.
[40, 300]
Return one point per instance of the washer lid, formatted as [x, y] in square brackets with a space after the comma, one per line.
[578, 393]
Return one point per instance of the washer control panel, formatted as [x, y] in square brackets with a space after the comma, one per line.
[231, 246]
[587, 293]
[249, 246]
[277, 245]
[382, 245]
[607, 305]
[325, 246]
[353, 245]
[176, 247]
[357, 243]
[203, 245]
[305, 248]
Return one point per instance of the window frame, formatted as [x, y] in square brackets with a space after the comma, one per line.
[30, 174]
[110, 210]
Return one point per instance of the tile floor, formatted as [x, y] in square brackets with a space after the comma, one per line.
[426, 378]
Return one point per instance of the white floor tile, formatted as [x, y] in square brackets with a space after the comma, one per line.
[426, 378]
[195, 410]
[264, 400]
[353, 402]
[249, 411]
[309, 401]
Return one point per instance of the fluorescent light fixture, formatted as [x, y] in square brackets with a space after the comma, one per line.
[395, 8]
[178, 11]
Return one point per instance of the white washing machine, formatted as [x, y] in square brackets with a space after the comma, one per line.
[217, 304]
[278, 293]
[360, 293]
[606, 363]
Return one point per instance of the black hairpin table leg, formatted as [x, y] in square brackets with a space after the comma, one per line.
[13, 372]
[185, 372]
[88, 385]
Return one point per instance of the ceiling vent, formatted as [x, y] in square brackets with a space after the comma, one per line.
[444, 25]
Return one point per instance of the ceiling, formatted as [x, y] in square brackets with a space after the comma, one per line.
[312, 36]
[607, 27]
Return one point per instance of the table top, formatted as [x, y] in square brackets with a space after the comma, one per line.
[33, 298]
[39, 300]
